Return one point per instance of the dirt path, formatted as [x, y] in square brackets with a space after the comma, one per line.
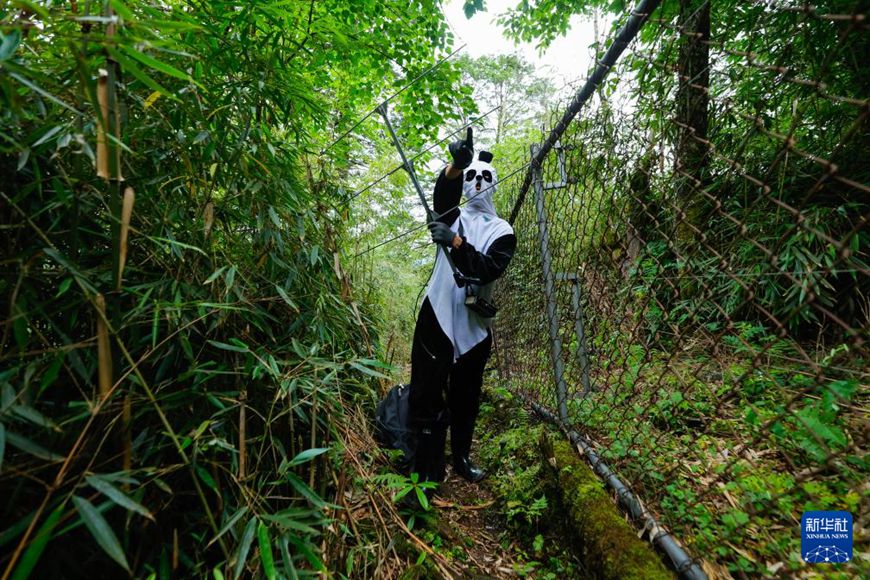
[467, 534]
[468, 516]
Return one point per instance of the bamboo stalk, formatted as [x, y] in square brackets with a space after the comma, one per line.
[127, 434]
[126, 214]
[313, 443]
[108, 153]
[208, 218]
[104, 350]
[102, 145]
[242, 434]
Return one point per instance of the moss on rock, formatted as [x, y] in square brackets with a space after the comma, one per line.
[609, 546]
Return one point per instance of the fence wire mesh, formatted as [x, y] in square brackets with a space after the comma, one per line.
[704, 275]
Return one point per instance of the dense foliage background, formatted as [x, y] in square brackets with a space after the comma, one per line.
[179, 334]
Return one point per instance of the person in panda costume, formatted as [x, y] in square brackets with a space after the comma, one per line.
[452, 343]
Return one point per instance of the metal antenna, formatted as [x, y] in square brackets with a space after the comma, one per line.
[461, 280]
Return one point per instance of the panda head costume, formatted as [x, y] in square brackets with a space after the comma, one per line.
[479, 185]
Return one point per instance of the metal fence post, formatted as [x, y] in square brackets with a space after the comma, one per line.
[579, 330]
[550, 289]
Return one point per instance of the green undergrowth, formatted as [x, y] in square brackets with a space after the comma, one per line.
[523, 520]
[526, 504]
[730, 470]
[568, 523]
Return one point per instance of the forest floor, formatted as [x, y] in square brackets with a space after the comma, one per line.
[469, 519]
[503, 527]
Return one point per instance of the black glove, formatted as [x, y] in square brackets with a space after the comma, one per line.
[463, 151]
[441, 233]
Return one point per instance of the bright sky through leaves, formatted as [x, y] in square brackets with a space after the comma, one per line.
[568, 59]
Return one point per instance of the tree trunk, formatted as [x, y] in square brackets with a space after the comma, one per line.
[501, 113]
[692, 115]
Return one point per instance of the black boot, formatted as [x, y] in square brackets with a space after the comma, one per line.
[429, 462]
[463, 466]
[460, 445]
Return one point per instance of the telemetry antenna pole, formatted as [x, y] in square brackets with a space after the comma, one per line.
[461, 280]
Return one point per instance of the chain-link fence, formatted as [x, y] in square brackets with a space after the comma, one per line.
[691, 289]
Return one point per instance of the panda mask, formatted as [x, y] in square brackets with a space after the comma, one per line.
[479, 185]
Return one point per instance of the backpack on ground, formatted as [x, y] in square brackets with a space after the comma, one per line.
[392, 426]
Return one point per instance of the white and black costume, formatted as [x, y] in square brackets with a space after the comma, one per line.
[452, 343]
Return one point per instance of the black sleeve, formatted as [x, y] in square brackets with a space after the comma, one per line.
[489, 266]
[448, 192]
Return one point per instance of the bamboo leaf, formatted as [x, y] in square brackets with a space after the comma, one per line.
[101, 531]
[129, 66]
[206, 478]
[26, 445]
[290, 523]
[266, 555]
[177, 243]
[7, 397]
[174, 25]
[31, 415]
[305, 548]
[375, 363]
[48, 135]
[157, 65]
[244, 547]
[52, 372]
[20, 330]
[305, 490]
[64, 286]
[307, 455]
[214, 275]
[36, 8]
[37, 545]
[230, 523]
[152, 98]
[225, 346]
[286, 297]
[22, 158]
[117, 496]
[367, 370]
[9, 44]
[36, 89]
[61, 259]
[121, 9]
[287, 558]
[273, 215]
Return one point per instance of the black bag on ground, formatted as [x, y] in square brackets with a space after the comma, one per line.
[392, 426]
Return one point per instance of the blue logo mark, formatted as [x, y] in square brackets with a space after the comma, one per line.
[826, 537]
